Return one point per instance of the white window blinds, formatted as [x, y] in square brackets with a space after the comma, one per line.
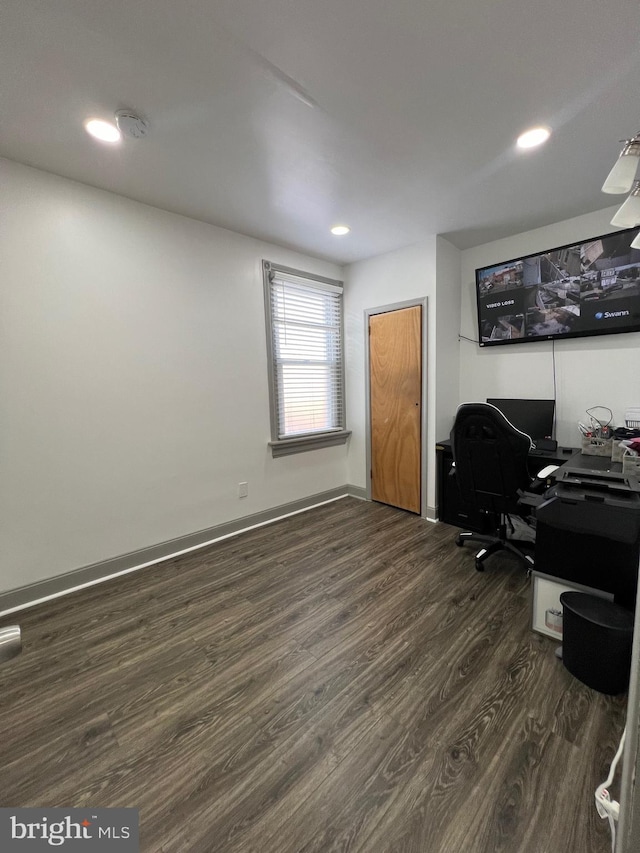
[306, 355]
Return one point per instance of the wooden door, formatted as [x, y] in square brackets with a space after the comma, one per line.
[395, 381]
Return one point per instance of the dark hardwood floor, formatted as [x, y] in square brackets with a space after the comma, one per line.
[340, 680]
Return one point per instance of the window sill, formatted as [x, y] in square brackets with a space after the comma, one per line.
[287, 446]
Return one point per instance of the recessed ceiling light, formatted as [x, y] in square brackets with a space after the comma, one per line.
[533, 137]
[340, 230]
[105, 131]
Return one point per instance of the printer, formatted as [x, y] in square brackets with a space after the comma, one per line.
[588, 531]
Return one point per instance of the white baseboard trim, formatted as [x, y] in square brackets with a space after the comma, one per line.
[20, 599]
[432, 514]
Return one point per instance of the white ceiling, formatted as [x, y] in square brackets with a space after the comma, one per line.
[417, 106]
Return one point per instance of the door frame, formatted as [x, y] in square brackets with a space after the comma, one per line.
[385, 309]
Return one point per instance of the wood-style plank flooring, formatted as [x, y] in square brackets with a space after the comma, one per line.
[342, 679]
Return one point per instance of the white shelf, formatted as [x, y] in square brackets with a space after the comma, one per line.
[546, 596]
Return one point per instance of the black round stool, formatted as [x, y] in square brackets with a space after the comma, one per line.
[596, 641]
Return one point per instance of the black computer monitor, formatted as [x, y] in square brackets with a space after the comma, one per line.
[535, 417]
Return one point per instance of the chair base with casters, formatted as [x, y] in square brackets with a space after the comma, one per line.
[498, 542]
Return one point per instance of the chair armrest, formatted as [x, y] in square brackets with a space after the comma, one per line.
[542, 481]
[534, 495]
[546, 472]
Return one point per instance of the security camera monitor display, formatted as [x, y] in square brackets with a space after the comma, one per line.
[589, 288]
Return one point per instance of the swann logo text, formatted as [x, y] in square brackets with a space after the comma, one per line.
[606, 315]
[27, 830]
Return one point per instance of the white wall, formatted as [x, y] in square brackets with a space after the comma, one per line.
[394, 277]
[589, 371]
[133, 378]
[448, 303]
[133, 394]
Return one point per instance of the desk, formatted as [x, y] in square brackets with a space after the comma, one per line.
[452, 510]
[583, 558]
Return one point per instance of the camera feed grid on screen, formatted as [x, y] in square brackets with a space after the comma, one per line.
[581, 289]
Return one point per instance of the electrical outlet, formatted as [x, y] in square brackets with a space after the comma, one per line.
[243, 490]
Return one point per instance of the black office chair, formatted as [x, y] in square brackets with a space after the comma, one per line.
[490, 465]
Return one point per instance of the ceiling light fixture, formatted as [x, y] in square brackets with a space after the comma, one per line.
[622, 176]
[622, 179]
[533, 137]
[340, 230]
[130, 124]
[628, 215]
[105, 131]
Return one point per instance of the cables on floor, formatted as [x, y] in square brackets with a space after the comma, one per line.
[608, 808]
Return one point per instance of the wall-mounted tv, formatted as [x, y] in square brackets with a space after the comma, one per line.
[588, 288]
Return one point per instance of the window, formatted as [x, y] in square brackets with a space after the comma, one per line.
[305, 353]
